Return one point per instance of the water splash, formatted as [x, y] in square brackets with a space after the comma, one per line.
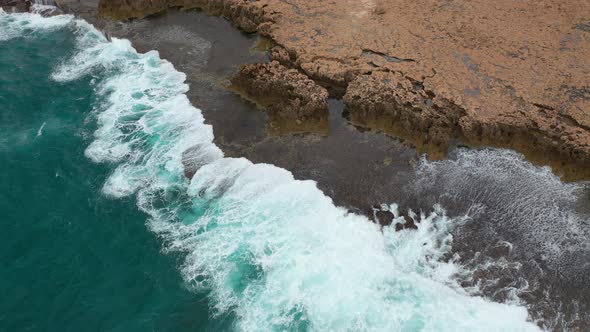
[40, 131]
[531, 231]
[273, 250]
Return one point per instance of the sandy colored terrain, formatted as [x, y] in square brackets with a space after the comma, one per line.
[503, 73]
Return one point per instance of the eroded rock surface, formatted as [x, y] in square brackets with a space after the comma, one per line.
[504, 73]
[398, 105]
[293, 102]
[283, 91]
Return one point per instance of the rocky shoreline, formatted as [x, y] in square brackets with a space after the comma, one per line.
[450, 82]
[500, 74]
[362, 169]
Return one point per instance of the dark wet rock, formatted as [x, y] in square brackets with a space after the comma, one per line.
[384, 218]
[49, 9]
[247, 15]
[16, 5]
[408, 224]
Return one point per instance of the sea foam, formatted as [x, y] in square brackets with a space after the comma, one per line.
[26, 24]
[273, 250]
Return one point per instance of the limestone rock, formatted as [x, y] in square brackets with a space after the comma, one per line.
[283, 91]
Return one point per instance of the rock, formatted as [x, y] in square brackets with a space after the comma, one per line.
[384, 218]
[409, 224]
[16, 5]
[283, 91]
[49, 10]
[400, 106]
[280, 54]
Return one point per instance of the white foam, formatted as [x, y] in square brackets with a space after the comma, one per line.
[28, 24]
[516, 195]
[271, 249]
[43, 9]
[40, 131]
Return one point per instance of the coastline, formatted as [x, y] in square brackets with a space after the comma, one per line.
[489, 86]
[357, 177]
[371, 169]
[250, 231]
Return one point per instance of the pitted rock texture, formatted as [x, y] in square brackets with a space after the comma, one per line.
[516, 72]
[283, 91]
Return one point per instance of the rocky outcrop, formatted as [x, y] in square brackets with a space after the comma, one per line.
[283, 91]
[403, 107]
[384, 217]
[16, 5]
[501, 73]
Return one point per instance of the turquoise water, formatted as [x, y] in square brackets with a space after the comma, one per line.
[72, 258]
[102, 231]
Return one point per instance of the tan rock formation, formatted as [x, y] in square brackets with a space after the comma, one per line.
[505, 73]
[287, 95]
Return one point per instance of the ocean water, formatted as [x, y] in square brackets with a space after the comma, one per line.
[102, 230]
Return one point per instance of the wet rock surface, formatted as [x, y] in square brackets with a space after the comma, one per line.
[383, 216]
[16, 5]
[518, 72]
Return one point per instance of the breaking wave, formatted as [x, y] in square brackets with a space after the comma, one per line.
[272, 250]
